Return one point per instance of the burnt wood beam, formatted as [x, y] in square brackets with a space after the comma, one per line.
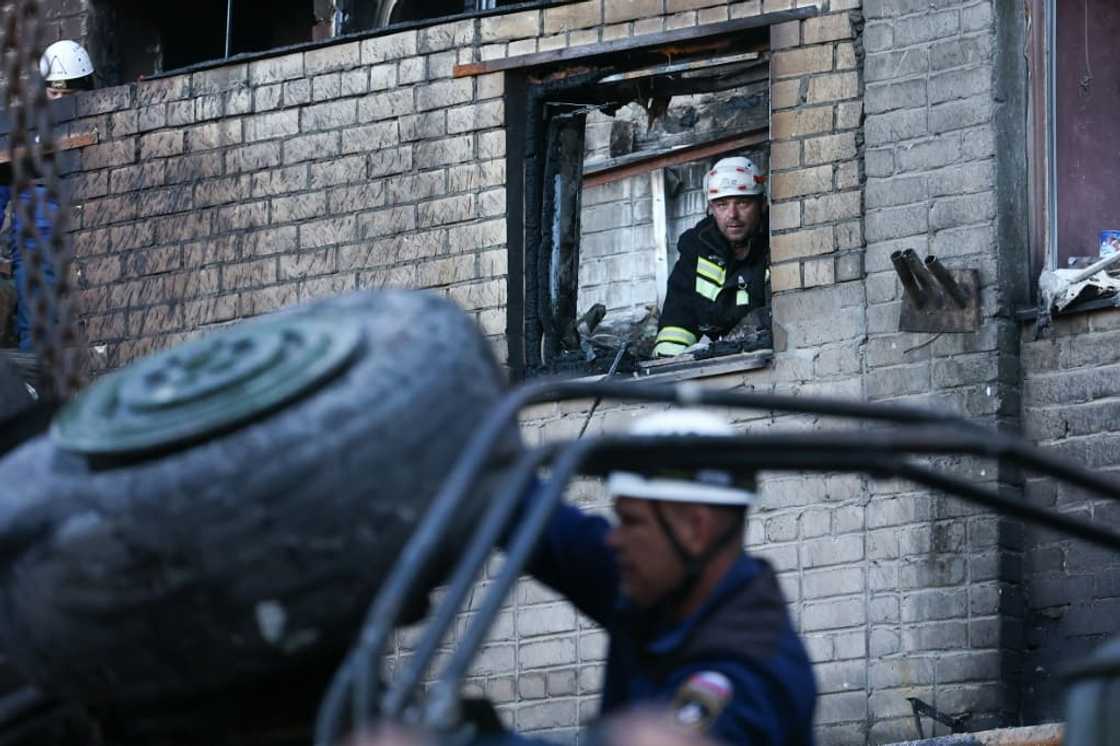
[66, 143]
[625, 168]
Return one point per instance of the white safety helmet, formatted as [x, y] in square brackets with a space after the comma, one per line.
[734, 177]
[63, 62]
[708, 486]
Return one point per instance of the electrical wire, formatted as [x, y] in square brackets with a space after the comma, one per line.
[883, 452]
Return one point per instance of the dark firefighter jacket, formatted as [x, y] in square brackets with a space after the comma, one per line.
[741, 637]
[709, 290]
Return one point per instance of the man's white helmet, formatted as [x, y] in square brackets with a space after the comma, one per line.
[708, 486]
[64, 61]
[734, 177]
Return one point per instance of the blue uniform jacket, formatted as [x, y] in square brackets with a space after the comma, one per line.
[742, 632]
[43, 217]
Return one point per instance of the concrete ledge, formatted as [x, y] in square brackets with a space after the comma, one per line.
[1049, 734]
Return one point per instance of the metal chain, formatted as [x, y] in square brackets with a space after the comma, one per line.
[53, 321]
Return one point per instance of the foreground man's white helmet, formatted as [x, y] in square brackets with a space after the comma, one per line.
[708, 486]
[64, 61]
[734, 177]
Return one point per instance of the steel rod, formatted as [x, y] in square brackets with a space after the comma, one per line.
[229, 25]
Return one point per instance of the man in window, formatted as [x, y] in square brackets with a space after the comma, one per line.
[721, 271]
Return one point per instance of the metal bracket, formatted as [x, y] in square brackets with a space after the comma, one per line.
[935, 298]
[958, 724]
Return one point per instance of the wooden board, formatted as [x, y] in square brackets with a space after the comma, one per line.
[72, 142]
[631, 166]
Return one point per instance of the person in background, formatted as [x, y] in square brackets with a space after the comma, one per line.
[66, 69]
[699, 630]
[723, 265]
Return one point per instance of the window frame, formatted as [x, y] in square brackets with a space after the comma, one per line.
[528, 82]
[1043, 137]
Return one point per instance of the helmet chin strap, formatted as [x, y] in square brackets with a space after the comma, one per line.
[693, 564]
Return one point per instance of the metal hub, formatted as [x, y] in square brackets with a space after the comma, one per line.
[203, 387]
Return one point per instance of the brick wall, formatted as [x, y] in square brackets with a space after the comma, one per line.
[230, 192]
[688, 203]
[234, 191]
[617, 249]
[1070, 403]
[937, 585]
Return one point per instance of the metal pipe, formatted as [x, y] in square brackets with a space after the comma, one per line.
[909, 284]
[945, 278]
[923, 277]
[229, 25]
[1051, 114]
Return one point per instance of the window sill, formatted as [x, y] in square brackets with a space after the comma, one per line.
[675, 369]
[1030, 313]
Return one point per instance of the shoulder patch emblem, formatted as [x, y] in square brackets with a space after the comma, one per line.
[701, 699]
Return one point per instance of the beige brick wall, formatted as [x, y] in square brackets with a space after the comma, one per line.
[234, 191]
[815, 187]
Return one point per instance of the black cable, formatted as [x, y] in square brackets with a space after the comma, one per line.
[489, 530]
[699, 451]
[521, 546]
[1051, 519]
[386, 608]
[802, 451]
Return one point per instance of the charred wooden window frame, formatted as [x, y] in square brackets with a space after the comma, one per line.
[534, 81]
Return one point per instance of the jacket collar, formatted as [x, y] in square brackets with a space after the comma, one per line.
[662, 637]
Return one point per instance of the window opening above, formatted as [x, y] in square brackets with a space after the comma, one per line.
[362, 15]
[145, 38]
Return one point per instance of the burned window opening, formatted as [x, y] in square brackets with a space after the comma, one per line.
[605, 77]
[362, 15]
[559, 324]
[144, 39]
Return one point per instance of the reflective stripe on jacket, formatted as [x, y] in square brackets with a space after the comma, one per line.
[709, 290]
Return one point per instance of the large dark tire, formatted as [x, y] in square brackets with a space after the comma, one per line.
[256, 552]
